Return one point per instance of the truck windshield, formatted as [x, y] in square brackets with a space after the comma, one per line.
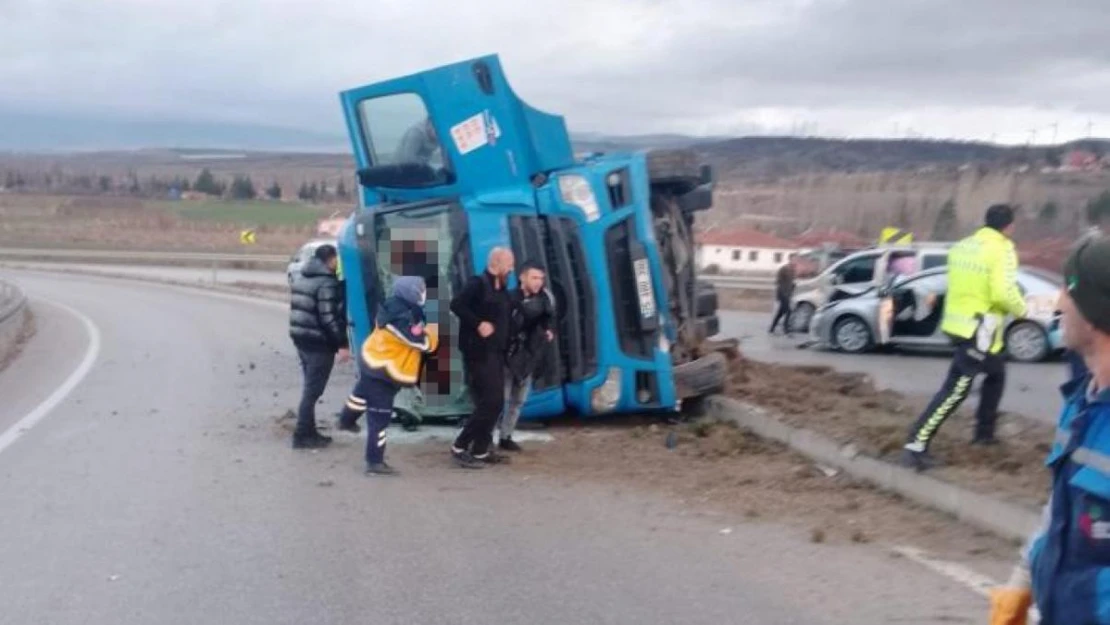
[430, 241]
[400, 138]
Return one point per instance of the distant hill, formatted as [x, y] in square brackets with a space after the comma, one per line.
[22, 131]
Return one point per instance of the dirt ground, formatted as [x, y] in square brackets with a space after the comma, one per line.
[848, 408]
[719, 471]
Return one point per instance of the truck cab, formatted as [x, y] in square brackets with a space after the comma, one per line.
[451, 163]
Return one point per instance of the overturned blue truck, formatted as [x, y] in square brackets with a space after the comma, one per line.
[451, 163]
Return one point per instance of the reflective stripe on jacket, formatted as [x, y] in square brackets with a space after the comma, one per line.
[982, 287]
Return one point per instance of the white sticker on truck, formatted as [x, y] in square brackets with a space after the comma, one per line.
[470, 134]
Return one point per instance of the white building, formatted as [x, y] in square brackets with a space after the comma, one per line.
[743, 249]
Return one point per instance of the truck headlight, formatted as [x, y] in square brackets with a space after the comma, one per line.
[605, 397]
[576, 190]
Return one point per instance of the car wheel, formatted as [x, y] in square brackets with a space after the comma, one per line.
[1027, 341]
[801, 316]
[851, 334]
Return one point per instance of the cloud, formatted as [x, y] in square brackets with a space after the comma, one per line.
[845, 67]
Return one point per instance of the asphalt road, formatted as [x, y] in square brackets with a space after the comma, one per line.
[1031, 389]
[158, 489]
[198, 275]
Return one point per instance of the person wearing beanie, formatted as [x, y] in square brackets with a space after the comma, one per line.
[982, 292]
[1065, 566]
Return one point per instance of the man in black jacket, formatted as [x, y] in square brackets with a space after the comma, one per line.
[483, 308]
[318, 327]
[533, 315]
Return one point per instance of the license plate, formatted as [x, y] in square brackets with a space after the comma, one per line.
[643, 288]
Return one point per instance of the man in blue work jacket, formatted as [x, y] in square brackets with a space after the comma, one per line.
[1065, 567]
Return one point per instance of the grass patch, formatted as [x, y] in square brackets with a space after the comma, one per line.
[245, 213]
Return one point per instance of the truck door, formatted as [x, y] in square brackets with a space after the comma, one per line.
[456, 130]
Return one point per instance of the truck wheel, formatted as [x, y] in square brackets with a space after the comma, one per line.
[706, 295]
[701, 377]
[677, 170]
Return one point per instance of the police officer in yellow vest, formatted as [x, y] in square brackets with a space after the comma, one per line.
[982, 293]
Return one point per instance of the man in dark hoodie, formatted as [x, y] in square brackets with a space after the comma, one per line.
[390, 358]
[318, 327]
[483, 308]
[533, 316]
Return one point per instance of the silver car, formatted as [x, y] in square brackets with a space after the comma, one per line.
[907, 311]
[859, 272]
[301, 257]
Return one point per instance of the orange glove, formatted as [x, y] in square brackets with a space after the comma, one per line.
[1010, 606]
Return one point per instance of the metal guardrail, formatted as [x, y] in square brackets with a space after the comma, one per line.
[123, 255]
[212, 259]
[12, 300]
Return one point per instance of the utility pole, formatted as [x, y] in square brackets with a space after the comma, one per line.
[1055, 128]
[1090, 128]
[1032, 136]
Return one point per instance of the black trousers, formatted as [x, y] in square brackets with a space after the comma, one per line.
[967, 364]
[486, 381]
[782, 313]
[316, 368]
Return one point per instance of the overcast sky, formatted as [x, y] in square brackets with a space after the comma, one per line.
[972, 69]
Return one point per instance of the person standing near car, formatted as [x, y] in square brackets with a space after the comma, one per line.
[1065, 564]
[982, 292]
[784, 293]
[533, 315]
[318, 327]
[483, 307]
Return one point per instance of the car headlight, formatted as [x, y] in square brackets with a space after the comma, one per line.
[605, 397]
[576, 190]
[1040, 306]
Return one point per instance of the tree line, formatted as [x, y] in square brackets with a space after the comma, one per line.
[239, 187]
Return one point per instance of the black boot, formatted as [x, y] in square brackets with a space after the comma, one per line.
[347, 421]
[315, 440]
[508, 444]
[381, 469]
[919, 461]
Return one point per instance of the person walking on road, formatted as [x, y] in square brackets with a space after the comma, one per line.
[982, 291]
[318, 327]
[784, 292]
[533, 316]
[1065, 565]
[483, 307]
[390, 358]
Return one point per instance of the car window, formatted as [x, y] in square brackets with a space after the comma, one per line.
[936, 283]
[857, 270]
[930, 261]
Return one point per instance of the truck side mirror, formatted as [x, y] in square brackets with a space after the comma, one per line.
[706, 174]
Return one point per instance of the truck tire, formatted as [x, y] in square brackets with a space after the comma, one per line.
[701, 377]
[706, 297]
[678, 170]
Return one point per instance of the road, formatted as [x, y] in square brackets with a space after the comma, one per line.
[1031, 389]
[153, 486]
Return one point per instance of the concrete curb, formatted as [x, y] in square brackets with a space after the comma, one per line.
[15, 320]
[984, 511]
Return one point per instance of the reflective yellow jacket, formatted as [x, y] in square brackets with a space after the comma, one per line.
[982, 288]
[395, 354]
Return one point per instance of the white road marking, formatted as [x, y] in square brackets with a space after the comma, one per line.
[19, 428]
[976, 582]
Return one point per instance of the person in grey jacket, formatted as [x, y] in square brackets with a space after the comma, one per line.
[318, 327]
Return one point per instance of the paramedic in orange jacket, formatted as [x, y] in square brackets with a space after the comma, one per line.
[390, 358]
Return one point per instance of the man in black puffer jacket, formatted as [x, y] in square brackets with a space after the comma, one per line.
[318, 327]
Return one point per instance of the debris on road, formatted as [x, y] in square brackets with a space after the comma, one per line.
[849, 409]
